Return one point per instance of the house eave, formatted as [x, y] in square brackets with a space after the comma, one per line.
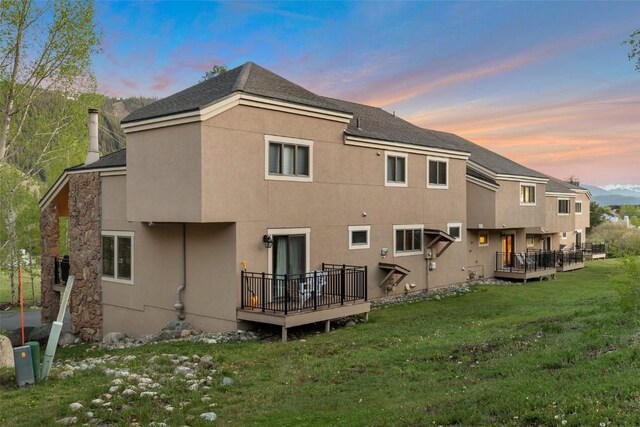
[381, 144]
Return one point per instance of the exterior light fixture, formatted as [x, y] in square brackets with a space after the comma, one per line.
[267, 240]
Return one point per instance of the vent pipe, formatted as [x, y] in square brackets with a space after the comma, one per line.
[94, 152]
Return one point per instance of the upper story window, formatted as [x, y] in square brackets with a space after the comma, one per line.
[454, 229]
[437, 172]
[288, 159]
[563, 207]
[578, 208]
[531, 241]
[117, 256]
[396, 169]
[407, 239]
[528, 194]
[359, 236]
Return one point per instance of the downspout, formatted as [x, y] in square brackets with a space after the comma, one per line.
[179, 305]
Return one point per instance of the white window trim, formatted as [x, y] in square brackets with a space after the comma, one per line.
[115, 235]
[563, 235]
[527, 241]
[535, 193]
[406, 169]
[438, 186]
[353, 228]
[483, 244]
[287, 140]
[568, 207]
[455, 224]
[576, 208]
[286, 231]
[408, 227]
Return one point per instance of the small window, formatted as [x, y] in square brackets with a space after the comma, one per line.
[359, 236]
[578, 208]
[527, 194]
[437, 174]
[396, 169]
[563, 235]
[483, 238]
[288, 159]
[531, 241]
[455, 230]
[408, 239]
[117, 256]
[563, 207]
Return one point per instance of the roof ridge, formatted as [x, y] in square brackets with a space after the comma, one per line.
[241, 81]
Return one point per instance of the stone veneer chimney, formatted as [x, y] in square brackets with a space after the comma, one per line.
[94, 152]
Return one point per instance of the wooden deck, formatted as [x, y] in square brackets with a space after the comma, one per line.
[526, 275]
[304, 315]
[571, 267]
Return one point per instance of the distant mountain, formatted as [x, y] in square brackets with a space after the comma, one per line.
[111, 135]
[615, 194]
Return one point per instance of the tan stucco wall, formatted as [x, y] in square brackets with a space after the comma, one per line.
[556, 223]
[481, 206]
[509, 212]
[482, 259]
[583, 220]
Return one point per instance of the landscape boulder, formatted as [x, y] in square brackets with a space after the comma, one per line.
[66, 338]
[6, 353]
[40, 334]
[173, 330]
[113, 338]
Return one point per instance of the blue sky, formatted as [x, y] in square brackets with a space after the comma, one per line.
[545, 83]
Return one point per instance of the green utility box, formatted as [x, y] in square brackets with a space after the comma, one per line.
[24, 366]
[35, 358]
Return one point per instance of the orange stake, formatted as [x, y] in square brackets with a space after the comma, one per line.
[21, 301]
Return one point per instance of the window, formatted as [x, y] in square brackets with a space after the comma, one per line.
[454, 229]
[563, 207]
[117, 256]
[359, 236]
[407, 239]
[483, 238]
[437, 172]
[396, 169]
[527, 194]
[288, 159]
[563, 235]
[578, 208]
[531, 241]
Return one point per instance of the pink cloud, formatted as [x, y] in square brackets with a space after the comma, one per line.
[162, 82]
[129, 83]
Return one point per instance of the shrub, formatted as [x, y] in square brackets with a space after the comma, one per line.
[620, 240]
[627, 282]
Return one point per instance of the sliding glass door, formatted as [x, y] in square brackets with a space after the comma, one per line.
[289, 257]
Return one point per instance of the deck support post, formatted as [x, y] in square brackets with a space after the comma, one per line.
[327, 326]
[284, 334]
[366, 317]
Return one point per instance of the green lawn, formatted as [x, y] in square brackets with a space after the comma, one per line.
[546, 353]
[29, 296]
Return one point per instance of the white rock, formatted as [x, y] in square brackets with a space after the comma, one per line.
[6, 353]
[68, 421]
[128, 392]
[193, 387]
[114, 388]
[168, 408]
[89, 415]
[209, 416]
[97, 402]
[129, 358]
[75, 406]
[116, 381]
[227, 381]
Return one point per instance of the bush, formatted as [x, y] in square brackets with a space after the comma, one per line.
[627, 282]
[620, 240]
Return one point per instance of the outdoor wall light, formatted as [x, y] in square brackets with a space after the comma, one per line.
[267, 240]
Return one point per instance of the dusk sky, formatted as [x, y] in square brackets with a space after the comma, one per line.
[546, 84]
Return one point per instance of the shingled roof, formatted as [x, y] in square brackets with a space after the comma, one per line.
[556, 185]
[375, 123]
[248, 78]
[111, 160]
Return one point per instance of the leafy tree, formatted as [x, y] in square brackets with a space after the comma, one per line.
[44, 47]
[626, 280]
[629, 210]
[634, 44]
[216, 70]
[596, 214]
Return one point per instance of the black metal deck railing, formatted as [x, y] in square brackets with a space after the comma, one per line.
[335, 284]
[595, 248]
[524, 262]
[572, 257]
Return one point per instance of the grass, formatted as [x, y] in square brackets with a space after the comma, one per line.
[546, 353]
[5, 287]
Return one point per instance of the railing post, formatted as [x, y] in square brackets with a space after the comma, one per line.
[286, 294]
[263, 292]
[342, 284]
[242, 289]
[315, 289]
[366, 290]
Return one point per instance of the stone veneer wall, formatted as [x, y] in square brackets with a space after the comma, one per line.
[49, 237]
[84, 254]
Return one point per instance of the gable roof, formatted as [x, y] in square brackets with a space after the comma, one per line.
[375, 123]
[112, 160]
[248, 78]
[482, 177]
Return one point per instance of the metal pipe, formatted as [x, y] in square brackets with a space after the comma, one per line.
[179, 305]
